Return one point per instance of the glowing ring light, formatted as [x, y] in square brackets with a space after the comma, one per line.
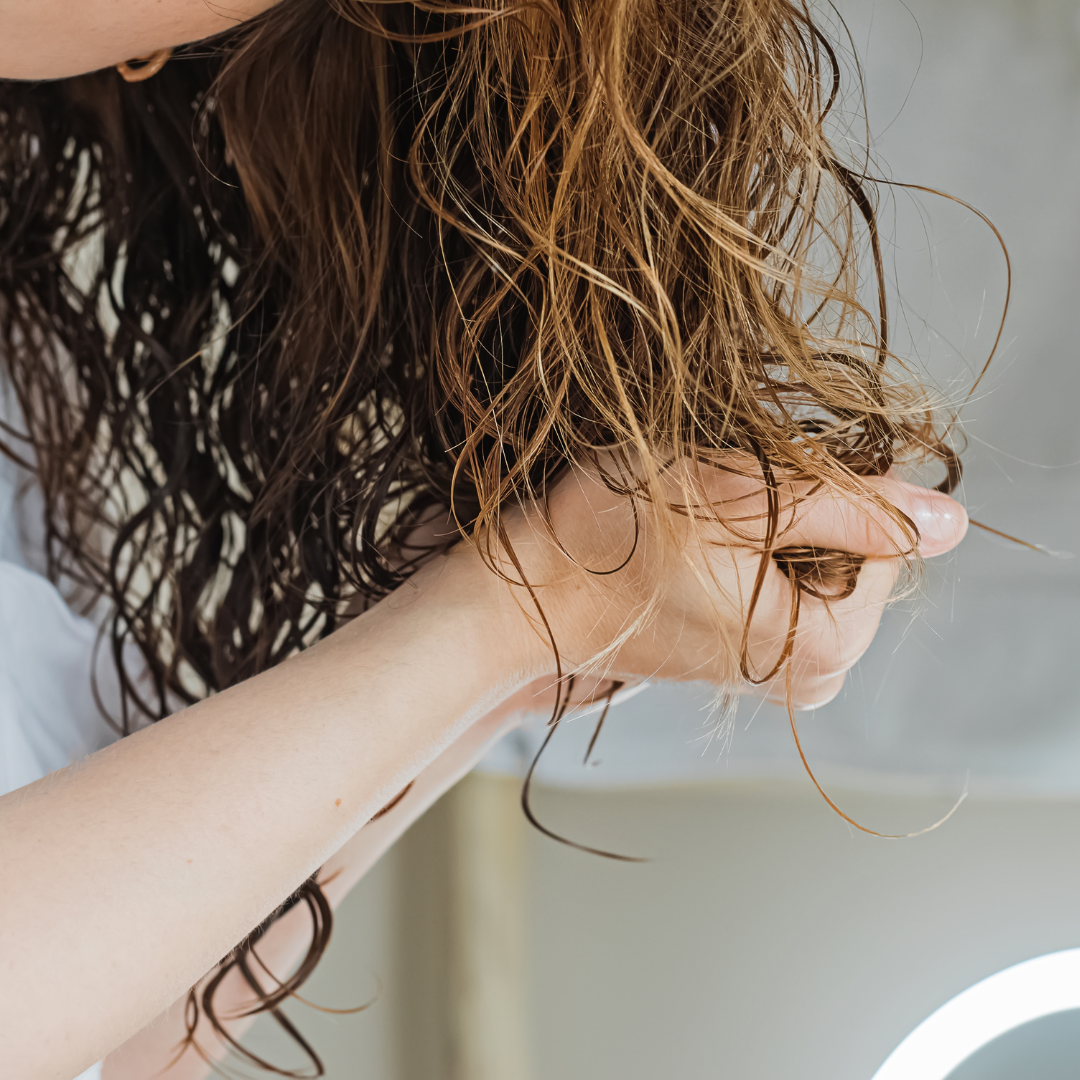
[1040, 987]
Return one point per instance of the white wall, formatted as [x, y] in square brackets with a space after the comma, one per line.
[765, 941]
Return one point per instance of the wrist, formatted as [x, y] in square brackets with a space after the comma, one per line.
[507, 632]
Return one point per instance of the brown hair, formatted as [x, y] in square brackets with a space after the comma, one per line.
[359, 260]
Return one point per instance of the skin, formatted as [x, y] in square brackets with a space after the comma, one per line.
[154, 1048]
[128, 875]
[54, 39]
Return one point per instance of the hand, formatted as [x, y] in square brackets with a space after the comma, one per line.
[677, 609]
[242, 796]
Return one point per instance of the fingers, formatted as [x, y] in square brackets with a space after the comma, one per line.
[832, 637]
[864, 527]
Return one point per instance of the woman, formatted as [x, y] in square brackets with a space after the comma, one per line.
[289, 318]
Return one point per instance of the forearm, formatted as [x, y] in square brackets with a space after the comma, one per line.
[52, 39]
[128, 877]
[156, 1047]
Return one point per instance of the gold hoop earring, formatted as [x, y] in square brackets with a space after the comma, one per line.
[149, 66]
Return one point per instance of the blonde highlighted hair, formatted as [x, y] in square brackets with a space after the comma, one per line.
[360, 261]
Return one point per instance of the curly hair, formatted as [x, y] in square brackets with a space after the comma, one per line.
[359, 261]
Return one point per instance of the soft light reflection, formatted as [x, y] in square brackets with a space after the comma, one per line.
[1048, 984]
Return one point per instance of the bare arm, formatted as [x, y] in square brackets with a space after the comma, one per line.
[154, 1049]
[126, 878]
[53, 39]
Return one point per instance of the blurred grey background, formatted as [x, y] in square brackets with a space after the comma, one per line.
[767, 940]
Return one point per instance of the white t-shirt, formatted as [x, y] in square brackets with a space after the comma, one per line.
[48, 714]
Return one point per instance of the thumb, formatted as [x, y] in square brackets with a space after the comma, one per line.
[864, 526]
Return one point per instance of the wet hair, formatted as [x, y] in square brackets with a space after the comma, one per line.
[358, 262]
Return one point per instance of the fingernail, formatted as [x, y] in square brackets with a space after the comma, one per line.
[941, 521]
